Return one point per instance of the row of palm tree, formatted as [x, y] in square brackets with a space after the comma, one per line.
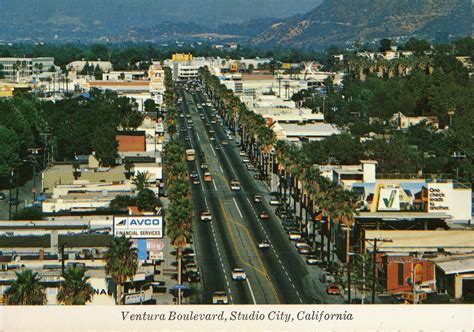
[28, 290]
[180, 213]
[300, 183]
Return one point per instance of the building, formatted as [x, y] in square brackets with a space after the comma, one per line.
[156, 75]
[404, 122]
[301, 116]
[131, 141]
[455, 276]
[78, 66]
[22, 69]
[304, 132]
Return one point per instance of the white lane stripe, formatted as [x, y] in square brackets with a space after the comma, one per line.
[240, 213]
[197, 134]
[215, 187]
[213, 151]
[221, 168]
[251, 291]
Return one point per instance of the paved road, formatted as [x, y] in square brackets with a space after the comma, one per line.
[276, 275]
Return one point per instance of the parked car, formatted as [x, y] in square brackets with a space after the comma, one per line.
[2, 196]
[312, 260]
[306, 250]
[333, 289]
[275, 202]
[326, 278]
[294, 236]
[301, 244]
[225, 142]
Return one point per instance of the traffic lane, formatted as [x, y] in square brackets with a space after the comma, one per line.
[212, 277]
[284, 284]
[239, 294]
[299, 273]
[240, 239]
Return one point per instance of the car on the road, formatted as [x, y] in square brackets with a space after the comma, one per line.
[188, 116]
[181, 115]
[202, 116]
[190, 268]
[192, 276]
[2, 196]
[294, 236]
[206, 216]
[250, 167]
[245, 160]
[264, 244]
[242, 154]
[211, 131]
[326, 278]
[213, 121]
[190, 121]
[312, 260]
[238, 274]
[217, 147]
[258, 198]
[183, 129]
[225, 142]
[193, 175]
[204, 166]
[234, 184]
[264, 215]
[333, 289]
[196, 181]
[186, 138]
[220, 297]
[212, 138]
[207, 177]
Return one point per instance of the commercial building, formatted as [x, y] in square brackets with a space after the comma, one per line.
[304, 132]
[21, 69]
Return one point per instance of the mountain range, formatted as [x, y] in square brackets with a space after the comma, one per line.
[264, 23]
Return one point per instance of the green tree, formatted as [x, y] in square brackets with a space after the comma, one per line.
[150, 105]
[141, 180]
[121, 202]
[147, 200]
[121, 263]
[9, 150]
[385, 45]
[30, 213]
[75, 289]
[26, 290]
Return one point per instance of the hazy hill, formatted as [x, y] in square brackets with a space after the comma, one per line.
[92, 18]
[337, 21]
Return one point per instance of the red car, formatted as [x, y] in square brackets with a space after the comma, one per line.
[333, 289]
[264, 215]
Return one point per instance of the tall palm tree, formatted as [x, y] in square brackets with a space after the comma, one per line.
[75, 289]
[121, 263]
[141, 180]
[26, 290]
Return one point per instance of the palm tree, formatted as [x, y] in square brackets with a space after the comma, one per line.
[121, 263]
[26, 290]
[75, 290]
[141, 180]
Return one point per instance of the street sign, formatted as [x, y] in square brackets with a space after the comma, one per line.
[176, 287]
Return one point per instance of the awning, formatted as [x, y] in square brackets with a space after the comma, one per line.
[457, 266]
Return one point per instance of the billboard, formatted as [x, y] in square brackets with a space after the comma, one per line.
[389, 199]
[139, 227]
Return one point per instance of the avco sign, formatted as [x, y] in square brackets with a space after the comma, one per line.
[139, 227]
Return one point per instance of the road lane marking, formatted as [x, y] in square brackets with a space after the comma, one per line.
[221, 168]
[237, 206]
[213, 151]
[215, 187]
[251, 291]
[197, 134]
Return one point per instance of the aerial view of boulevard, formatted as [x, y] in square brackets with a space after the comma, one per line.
[274, 160]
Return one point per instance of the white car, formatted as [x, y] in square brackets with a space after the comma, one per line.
[235, 185]
[238, 274]
[294, 236]
[245, 160]
[242, 153]
[264, 244]
[220, 298]
[274, 202]
[300, 244]
[206, 216]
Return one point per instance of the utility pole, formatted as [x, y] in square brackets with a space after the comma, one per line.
[374, 265]
[10, 196]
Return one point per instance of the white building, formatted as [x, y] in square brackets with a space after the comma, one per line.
[304, 132]
[22, 69]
